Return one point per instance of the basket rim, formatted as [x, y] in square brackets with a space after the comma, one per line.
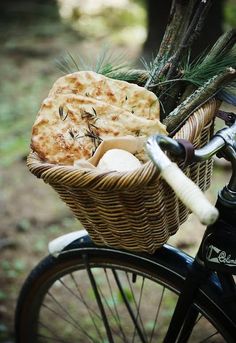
[73, 176]
[80, 178]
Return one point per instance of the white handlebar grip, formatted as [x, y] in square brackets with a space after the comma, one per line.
[189, 193]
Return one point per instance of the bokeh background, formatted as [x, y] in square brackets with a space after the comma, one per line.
[34, 36]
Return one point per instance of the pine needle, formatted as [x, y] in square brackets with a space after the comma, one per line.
[202, 70]
[107, 63]
[153, 68]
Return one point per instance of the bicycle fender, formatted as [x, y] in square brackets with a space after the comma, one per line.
[167, 256]
[56, 246]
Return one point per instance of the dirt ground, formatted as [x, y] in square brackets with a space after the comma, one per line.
[31, 213]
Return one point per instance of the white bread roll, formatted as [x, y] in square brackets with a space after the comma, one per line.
[118, 160]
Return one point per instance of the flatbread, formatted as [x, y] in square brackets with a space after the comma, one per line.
[72, 122]
[128, 96]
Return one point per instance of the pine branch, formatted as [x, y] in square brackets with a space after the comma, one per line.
[156, 70]
[223, 45]
[107, 64]
[178, 19]
[188, 91]
[173, 99]
[221, 56]
[207, 67]
[181, 113]
[200, 15]
[191, 34]
[180, 15]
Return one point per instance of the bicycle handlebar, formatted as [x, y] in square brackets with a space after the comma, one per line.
[186, 190]
[223, 141]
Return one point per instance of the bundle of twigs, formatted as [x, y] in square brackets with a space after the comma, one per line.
[181, 86]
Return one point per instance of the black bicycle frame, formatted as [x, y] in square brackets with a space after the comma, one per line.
[198, 274]
[217, 253]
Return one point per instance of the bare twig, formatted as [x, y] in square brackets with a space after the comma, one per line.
[180, 14]
[180, 114]
[220, 49]
[223, 45]
[190, 35]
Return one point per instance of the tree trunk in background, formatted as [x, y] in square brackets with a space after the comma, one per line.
[157, 13]
[157, 16]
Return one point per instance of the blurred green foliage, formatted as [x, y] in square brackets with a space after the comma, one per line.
[114, 23]
[13, 269]
[230, 13]
[19, 103]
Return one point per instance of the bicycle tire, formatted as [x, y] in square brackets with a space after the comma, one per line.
[158, 271]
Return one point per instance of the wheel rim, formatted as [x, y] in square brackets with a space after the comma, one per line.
[136, 308]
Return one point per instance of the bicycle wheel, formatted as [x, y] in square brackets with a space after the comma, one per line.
[105, 295]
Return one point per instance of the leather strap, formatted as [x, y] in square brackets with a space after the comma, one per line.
[188, 149]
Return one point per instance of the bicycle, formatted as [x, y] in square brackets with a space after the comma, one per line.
[87, 293]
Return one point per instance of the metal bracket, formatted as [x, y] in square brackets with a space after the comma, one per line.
[228, 117]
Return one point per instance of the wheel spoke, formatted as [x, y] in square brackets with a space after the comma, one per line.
[209, 337]
[48, 338]
[132, 316]
[111, 313]
[98, 299]
[90, 311]
[137, 306]
[56, 338]
[157, 313]
[73, 322]
[117, 317]
[80, 297]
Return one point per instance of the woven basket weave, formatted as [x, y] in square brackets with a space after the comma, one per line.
[131, 210]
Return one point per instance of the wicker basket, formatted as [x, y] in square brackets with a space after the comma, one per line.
[130, 210]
